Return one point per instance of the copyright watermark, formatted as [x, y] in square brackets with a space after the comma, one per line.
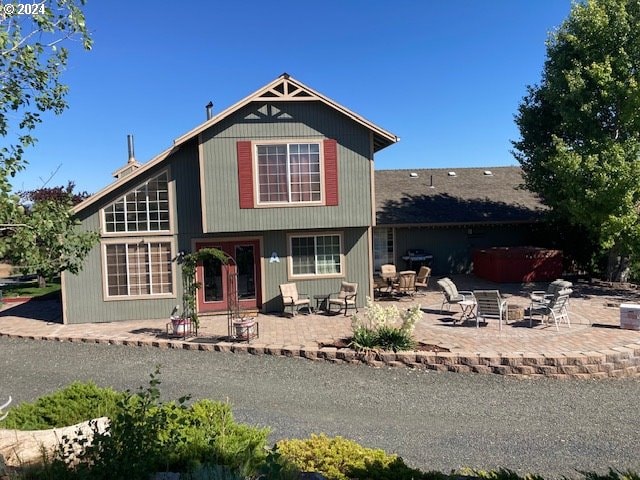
[11, 9]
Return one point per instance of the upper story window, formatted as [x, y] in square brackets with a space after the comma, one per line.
[283, 173]
[145, 209]
[289, 173]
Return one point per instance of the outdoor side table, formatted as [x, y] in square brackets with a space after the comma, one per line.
[467, 307]
[322, 302]
[514, 313]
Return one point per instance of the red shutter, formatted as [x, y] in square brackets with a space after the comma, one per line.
[245, 174]
[331, 172]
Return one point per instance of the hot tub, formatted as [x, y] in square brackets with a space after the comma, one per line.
[517, 264]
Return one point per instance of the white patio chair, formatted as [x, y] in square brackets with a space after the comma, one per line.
[556, 309]
[490, 304]
[450, 293]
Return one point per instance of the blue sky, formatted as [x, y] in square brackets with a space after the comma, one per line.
[445, 76]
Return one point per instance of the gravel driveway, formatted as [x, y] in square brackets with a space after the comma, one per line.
[435, 421]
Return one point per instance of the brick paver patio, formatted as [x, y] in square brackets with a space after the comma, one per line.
[594, 345]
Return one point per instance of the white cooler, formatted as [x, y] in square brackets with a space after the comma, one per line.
[630, 316]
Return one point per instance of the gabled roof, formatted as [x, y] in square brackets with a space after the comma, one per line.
[433, 197]
[283, 89]
[287, 89]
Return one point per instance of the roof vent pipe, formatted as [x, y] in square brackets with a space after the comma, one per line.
[209, 110]
[431, 182]
[132, 157]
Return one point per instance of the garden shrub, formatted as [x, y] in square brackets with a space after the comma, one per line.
[379, 329]
[73, 404]
[147, 435]
[341, 459]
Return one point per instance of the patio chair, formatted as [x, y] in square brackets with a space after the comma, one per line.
[490, 304]
[345, 298]
[388, 272]
[451, 295]
[406, 284]
[380, 286]
[292, 298]
[422, 280]
[540, 298]
[556, 309]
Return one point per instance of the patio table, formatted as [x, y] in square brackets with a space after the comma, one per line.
[322, 301]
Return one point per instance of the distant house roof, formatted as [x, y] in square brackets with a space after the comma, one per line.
[283, 89]
[454, 196]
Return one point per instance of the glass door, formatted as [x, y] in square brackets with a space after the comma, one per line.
[213, 276]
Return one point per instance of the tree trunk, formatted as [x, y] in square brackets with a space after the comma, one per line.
[618, 265]
[42, 282]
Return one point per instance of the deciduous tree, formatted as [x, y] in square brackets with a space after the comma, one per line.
[49, 240]
[579, 127]
[33, 55]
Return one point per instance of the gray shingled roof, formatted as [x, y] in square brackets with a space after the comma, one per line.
[469, 197]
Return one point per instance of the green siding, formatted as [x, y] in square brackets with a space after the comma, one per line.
[84, 292]
[355, 247]
[291, 121]
[452, 248]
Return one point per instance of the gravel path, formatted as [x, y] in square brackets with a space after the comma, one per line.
[435, 421]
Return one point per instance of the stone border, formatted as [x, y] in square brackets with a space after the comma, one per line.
[617, 362]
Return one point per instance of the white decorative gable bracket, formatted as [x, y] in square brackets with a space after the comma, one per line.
[286, 90]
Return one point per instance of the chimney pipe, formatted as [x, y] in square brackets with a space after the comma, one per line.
[132, 158]
[209, 110]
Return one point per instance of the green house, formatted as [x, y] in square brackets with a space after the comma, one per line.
[282, 181]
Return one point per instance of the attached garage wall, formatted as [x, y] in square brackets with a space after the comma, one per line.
[452, 248]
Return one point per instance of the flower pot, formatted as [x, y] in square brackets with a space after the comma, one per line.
[181, 326]
[244, 329]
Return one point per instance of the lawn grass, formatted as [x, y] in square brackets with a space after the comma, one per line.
[31, 290]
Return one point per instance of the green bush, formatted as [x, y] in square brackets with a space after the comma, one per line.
[341, 459]
[147, 435]
[73, 404]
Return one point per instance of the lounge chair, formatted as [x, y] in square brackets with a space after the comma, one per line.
[291, 298]
[451, 295]
[345, 298]
[490, 304]
[556, 308]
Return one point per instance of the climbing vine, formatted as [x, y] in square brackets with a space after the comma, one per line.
[191, 285]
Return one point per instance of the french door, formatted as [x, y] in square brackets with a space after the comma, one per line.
[213, 275]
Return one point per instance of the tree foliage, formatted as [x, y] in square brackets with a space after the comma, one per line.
[49, 240]
[32, 58]
[579, 143]
[56, 194]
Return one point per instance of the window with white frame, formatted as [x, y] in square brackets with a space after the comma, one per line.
[289, 173]
[316, 255]
[135, 269]
[382, 247]
[145, 209]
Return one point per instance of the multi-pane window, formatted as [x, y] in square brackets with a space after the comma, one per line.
[382, 247]
[316, 255]
[139, 269]
[145, 209]
[289, 173]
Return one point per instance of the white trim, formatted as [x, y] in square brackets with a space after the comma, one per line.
[170, 199]
[170, 239]
[315, 234]
[256, 173]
